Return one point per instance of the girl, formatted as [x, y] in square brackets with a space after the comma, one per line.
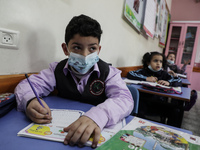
[152, 71]
[150, 104]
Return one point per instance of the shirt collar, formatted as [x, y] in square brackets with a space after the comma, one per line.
[95, 68]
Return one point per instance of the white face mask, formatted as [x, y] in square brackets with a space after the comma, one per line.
[149, 66]
[81, 63]
[169, 61]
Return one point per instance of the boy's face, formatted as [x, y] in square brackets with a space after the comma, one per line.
[156, 62]
[171, 57]
[83, 45]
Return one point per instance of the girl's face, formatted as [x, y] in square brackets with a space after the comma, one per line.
[156, 62]
[171, 57]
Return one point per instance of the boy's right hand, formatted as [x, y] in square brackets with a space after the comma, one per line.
[37, 113]
[152, 79]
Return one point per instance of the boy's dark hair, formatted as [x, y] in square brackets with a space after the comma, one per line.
[83, 25]
[148, 56]
[170, 54]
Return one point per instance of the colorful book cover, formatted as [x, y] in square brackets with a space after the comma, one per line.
[61, 119]
[141, 134]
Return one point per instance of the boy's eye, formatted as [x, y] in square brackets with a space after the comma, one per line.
[93, 48]
[76, 48]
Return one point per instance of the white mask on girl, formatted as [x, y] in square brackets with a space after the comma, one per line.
[149, 66]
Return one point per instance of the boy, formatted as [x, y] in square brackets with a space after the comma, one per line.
[172, 68]
[83, 77]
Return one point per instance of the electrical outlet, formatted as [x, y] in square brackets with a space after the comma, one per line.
[9, 38]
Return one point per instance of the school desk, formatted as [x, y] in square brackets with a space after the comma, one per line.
[185, 82]
[185, 96]
[14, 121]
[182, 98]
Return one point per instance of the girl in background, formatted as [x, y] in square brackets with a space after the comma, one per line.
[152, 71]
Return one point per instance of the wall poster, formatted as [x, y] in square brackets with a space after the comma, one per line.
[134, 12]
[150, 18]
[164, 19]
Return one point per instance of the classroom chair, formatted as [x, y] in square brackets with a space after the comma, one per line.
[193, 98]
[135, 95]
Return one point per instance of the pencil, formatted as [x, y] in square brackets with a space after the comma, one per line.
[34, 90]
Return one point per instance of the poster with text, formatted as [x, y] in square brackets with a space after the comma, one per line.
[150, 17]
[134, 12]
[164, 26]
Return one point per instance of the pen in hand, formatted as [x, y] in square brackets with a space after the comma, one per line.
[34, 90]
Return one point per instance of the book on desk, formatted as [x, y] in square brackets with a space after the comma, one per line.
[61, 119]
[142, 134]
[155, 86]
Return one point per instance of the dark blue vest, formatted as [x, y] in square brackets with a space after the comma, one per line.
[94, 91]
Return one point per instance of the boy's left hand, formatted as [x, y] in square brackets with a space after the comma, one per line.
[81, 130]
[162, 82]
[171, 72]
[187, 62]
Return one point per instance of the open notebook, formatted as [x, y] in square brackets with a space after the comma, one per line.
[146, 84]
[61, 119]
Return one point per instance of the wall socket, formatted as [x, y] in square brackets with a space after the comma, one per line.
[9, 39]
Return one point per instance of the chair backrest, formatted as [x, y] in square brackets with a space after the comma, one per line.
[135, 94]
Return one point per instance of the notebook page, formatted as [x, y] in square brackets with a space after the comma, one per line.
[63, 117]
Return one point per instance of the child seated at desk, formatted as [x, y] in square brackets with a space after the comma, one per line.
[82, 77]
[152, 71]
[172, 68]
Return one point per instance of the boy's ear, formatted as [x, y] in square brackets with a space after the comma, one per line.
[64, 47]
[99, 49]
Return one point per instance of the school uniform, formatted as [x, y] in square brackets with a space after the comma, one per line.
[101, 86]
[175, 68]
[142, 74]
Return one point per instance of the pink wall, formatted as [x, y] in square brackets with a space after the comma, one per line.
[195, 84]
[185, 10]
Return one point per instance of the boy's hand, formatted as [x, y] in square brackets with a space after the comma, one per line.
[81, 130]
[172, 73]
[187, 62]
[37, 113]
[162, 82]
[151, 79]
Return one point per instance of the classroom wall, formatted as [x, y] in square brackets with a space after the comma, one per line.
[42, 25]
[185, 10]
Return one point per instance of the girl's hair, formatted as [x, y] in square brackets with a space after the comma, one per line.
[149, 55]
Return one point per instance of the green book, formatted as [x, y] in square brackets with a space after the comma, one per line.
[141, 134]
